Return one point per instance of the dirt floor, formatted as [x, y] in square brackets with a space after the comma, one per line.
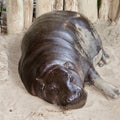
[17, 104]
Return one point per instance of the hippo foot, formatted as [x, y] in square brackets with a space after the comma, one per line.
[101, 63]
[112, 91]
[105, 59]
[107, 88]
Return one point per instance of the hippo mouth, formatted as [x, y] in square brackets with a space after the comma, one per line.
[74, 102]
[74, 106]
[77, 103]
[62, 87]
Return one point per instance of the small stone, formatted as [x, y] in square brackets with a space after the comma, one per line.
[10, 110]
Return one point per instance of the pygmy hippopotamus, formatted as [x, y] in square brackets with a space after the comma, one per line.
[59, 54]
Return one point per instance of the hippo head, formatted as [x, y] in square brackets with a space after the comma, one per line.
[61, 86]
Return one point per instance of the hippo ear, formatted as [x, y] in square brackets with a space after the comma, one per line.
[38, 79]
[69, 65]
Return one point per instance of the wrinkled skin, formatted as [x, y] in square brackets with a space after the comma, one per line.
[57, 56]
[61, 86]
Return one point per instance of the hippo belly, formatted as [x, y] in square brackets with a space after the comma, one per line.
[57, 52]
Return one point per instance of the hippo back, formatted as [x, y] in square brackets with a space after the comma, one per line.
[55, 38]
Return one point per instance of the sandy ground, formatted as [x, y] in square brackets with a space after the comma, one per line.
[17, 104]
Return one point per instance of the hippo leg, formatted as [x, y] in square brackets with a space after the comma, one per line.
[105, 59]
[105, 87]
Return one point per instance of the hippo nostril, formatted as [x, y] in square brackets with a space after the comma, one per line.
[78, 93]
[74, 92]
[68, 100]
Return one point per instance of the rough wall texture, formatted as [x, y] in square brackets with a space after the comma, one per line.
[47, 6]
[20, 12]
[3, 61]
[15, 19]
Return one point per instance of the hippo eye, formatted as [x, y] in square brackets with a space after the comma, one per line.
[52, 89]
[71, 79]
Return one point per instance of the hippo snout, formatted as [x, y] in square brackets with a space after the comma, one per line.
[75, 100]
[63, 87]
